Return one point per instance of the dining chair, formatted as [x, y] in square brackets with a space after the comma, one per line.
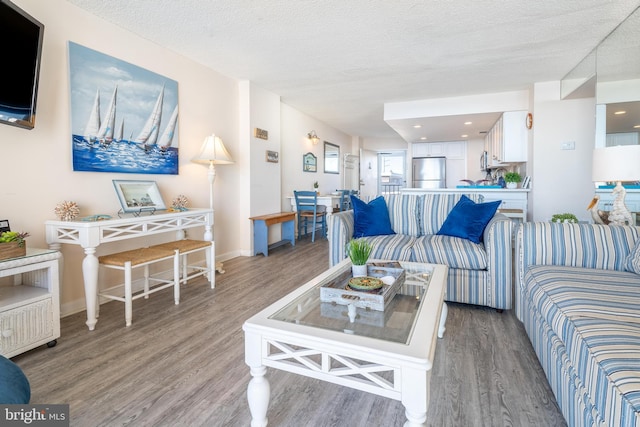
[310, 213]
[345, 199]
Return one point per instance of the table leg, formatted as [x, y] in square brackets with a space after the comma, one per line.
[90, 273]
[258, 393]
[443, 320]
[260, 237]
[415, 420]
[415, 396]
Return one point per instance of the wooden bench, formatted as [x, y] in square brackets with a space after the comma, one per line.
[186, 247]
[261, 231]
[128, 260]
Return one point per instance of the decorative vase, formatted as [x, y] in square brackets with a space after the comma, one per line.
[512, 185]
[359, 270]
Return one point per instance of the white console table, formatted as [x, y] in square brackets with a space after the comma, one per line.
[30, 306]
[91, 234]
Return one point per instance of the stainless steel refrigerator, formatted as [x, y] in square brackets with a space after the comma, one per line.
[429, 172]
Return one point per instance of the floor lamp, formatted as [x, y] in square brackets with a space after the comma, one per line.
[214, 153]
[617, 164]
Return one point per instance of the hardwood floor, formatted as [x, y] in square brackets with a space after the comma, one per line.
[184, 365]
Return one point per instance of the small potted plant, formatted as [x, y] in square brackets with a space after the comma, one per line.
[564, 217]
[358, 251]
[512, 179]
[315, 186]
[12, 244]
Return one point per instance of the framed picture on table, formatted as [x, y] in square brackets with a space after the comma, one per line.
[136, 196]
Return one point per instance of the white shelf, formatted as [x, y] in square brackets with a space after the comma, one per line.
[30, 308]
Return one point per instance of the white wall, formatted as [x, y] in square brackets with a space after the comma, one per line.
[37, 171]
[475, 147]
[261, 179]
[295, 126]
[561, 179]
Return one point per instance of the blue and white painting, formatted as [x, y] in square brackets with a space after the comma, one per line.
[123, 118]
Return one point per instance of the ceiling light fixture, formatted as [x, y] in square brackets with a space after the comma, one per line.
[313, 137]
[423, 138]
[617, 113]
[468, 123]
[464, 136]
[417, 126]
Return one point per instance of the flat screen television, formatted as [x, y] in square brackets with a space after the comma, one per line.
[21, 40]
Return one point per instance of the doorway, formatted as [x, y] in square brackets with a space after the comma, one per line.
[391, 172]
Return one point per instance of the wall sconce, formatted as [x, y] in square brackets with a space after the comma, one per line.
[313, 137]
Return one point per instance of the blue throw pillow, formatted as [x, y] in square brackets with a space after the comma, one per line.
[468, 219]
[370, 219]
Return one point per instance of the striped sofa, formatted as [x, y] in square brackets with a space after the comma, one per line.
[581, 311]
[479, 274]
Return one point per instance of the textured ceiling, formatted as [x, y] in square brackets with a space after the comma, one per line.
[341, 60]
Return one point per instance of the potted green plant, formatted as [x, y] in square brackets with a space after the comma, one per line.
[564, 217]
[358, 251]
[315, 186]
[12, 244]
[512, 179]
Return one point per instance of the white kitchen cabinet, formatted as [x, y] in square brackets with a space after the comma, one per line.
[456, 150]
[429, 149]
[30, 305]
[506, 142]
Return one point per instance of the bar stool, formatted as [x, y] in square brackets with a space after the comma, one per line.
[141, 258]
[186, 247]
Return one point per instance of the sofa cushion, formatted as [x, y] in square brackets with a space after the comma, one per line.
[595, 313]
[404, 211]
[452, 251]
[633, 259]
[392, 247]
[468, 219]
[370, 219]
[435, 208]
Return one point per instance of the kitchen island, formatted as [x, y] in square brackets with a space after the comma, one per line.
[514, 201]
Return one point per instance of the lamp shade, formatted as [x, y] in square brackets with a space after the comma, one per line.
[619, 163]
[213, 151]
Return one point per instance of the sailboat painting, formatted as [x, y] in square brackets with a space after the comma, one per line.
[123, 118]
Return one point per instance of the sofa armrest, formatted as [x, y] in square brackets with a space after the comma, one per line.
[498, 237]
[340, 232]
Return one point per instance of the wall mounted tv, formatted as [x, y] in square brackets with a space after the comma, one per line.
[21, 37]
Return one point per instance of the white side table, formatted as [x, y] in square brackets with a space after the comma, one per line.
[30, 307]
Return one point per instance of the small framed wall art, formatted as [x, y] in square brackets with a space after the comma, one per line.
[272, 156]
[309, 162]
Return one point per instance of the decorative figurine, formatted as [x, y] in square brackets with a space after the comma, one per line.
[67, 211]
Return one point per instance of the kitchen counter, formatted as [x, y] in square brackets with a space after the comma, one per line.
[514, 201]
[478, 189]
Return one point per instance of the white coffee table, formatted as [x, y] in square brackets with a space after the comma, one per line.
[388, 353]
